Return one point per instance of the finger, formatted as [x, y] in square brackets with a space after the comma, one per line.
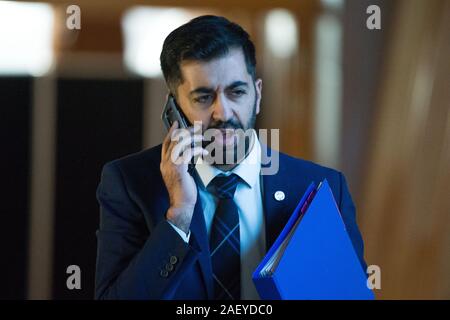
[198, 152]
[166, 141]
[188, 154]
[184, 132]
[184, 135]
[180, 133]
[189, 141]
[176, 149]
[176, 136]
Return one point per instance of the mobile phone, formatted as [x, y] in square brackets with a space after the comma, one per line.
[171, 113]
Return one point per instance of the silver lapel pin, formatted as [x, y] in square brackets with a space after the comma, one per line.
[279, 195]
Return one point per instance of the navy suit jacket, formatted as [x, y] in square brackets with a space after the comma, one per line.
[140, 256]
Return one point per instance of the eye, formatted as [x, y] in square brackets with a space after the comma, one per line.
[238, 92]
[202, 99]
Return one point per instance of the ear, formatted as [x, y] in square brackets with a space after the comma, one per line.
[258, 86]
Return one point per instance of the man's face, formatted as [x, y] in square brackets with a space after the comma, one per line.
[222, 95]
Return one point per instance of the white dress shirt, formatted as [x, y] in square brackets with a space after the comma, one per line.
[248, 199]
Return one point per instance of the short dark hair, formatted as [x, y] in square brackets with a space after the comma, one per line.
[203, 38]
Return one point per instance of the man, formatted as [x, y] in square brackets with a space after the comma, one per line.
[168, 234]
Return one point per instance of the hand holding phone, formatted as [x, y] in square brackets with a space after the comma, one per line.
[171, 113]
[176, 152]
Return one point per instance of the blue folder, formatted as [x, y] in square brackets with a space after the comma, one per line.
[313, 257]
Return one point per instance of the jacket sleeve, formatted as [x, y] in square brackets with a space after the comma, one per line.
[132, 261]
[348, 213]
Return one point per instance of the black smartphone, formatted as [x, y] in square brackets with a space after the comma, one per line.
[171, 113]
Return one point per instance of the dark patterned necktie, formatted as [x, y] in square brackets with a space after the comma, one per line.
[224, 240]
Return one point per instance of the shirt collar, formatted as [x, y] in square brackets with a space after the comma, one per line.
[248, 170]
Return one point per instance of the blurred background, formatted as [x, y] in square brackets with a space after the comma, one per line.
[374, 104]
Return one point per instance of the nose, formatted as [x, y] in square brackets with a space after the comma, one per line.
[222, 109]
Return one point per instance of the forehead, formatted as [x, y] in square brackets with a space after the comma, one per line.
[216, 72]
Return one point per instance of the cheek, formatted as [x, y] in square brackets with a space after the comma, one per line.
[245, 109]
[195, 114]
[201, 115]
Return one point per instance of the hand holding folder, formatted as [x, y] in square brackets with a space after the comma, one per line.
[313, 257]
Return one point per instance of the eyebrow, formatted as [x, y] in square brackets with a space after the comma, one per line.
[231, 86]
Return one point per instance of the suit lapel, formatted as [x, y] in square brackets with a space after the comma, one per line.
[277, 212]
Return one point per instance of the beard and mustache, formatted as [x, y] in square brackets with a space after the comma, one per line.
[229, 154]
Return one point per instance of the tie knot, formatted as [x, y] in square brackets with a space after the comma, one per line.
[224, 186]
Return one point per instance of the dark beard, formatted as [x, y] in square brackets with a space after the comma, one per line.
[235, 125]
